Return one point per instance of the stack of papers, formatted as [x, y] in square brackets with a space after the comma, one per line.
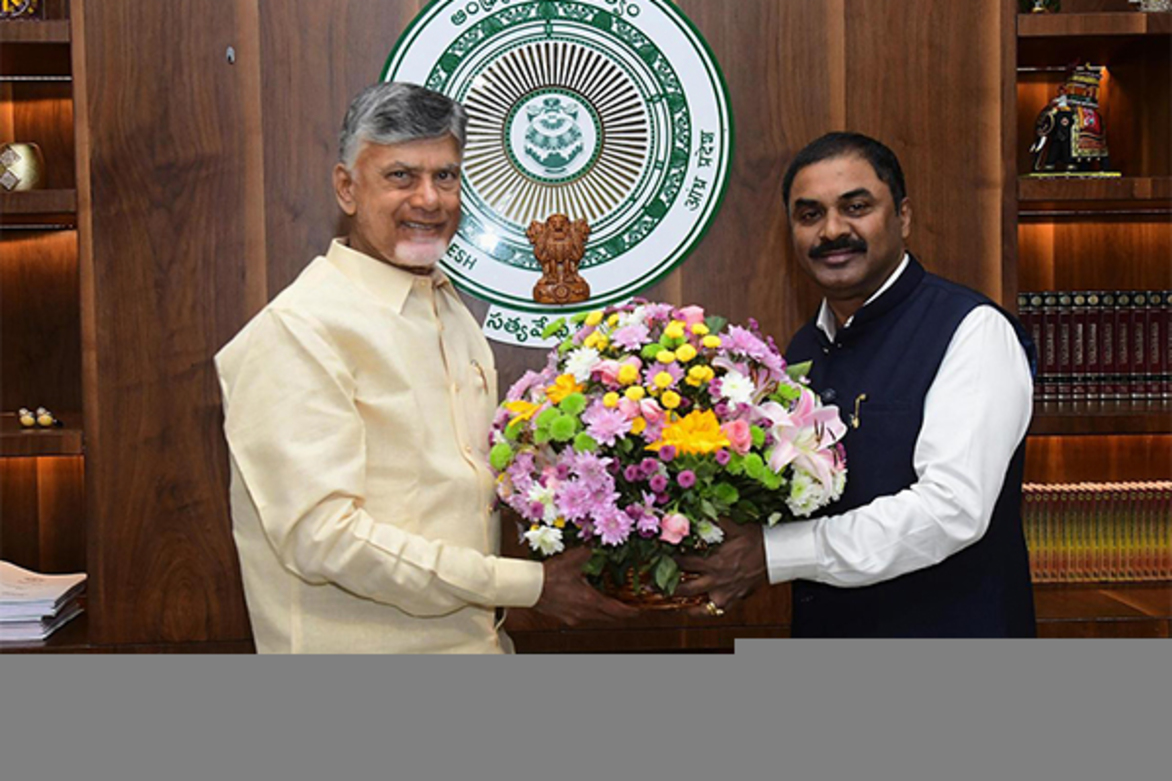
[34, 606]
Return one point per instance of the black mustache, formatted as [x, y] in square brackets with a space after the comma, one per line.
[846, 243]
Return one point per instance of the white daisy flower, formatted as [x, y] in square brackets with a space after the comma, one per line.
[737, 388]
[546, 540]
[708, 531]
[581, 362]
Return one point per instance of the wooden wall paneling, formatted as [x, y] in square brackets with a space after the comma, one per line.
[1096, 251]
[314, 61]
[1072, 459]
[40, 347]
[170, 239]
[43, 113]
[19, 537]
[927, 79]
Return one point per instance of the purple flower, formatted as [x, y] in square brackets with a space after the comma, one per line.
[591, 469]
[648, 467]
[632, 473]
[631, 337]
[646, 523]
[720, 409]
[574, 500]
[667, 453]
[605, 425]
[686, 478]
[659, 483]
[722, 456]
[615, 527]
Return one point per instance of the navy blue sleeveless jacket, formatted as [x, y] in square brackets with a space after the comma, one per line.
[891, 352]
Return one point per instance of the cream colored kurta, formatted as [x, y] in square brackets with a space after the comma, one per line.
[357, 407]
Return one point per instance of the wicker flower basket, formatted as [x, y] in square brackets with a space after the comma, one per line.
[648, 597]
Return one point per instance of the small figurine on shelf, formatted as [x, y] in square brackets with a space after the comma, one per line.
[21, 9]
[1070, 135]
[26, 418]
[1039, 6]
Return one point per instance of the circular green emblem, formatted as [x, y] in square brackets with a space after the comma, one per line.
[610, 111]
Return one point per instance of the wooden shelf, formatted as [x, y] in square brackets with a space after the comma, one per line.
[18, 442]
[73, 636]
[1035, 190]
[43, 31]
[1114, 23]
[1102, 417]
[39, 202]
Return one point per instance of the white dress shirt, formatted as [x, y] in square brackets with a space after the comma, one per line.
[975, 414]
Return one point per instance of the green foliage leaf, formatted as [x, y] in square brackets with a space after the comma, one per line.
[715, 323]
[667, 571]
[726, 494]
[709, 509]
[796, 371]
[595, 563]
[579, 318]
[553, 328]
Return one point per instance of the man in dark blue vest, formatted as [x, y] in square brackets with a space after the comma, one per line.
[935, 383]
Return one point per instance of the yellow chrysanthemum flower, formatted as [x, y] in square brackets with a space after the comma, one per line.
[597, 340]
[638, 426]
[594, 318]
[711, 342]
[697, 433]
[635, 393]
[695, 383]
[610, 400]
[685, 353]
[560, 523]
[663, 380]
[670, 399]
[613, 320]
[674, 330]
[628, 374]
[700, 329]
[563, 386]
[522, 410]
[665, 357]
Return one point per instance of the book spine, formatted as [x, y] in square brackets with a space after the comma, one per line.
[1153, 318]
[1078, 346]
[1166, 320]
[1065, 372]
[1107, 346]
[1094, 368]
[1122, 345]
[1049, 347]
[1139, 352]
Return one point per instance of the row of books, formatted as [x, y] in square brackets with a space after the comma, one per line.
[1096, 345]
[1091, 532]
[34, 606]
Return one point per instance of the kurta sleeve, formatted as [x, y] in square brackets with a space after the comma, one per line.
[299, 443]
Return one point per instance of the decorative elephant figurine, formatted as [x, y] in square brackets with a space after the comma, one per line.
[1069, 130]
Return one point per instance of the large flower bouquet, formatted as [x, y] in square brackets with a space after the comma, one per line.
[647, 426]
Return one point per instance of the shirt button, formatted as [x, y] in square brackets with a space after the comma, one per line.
[468, 449]
[826, 351]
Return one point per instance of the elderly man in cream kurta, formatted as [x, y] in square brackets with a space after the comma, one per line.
[357, 407]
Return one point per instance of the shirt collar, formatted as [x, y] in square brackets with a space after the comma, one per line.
[826, 321]
[389, 284]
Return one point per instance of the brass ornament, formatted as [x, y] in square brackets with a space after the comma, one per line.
[559, 244]
[21, 167]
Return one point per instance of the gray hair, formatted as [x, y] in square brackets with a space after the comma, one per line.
[394, 112]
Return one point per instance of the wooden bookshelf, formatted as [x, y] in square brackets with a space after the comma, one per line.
[1104, 609]
[1034, 189]
[1088, 24]
[1102, 417]
[39, 202]
[42, 31]
[17, 442]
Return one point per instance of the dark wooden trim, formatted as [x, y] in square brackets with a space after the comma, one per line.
[1123, 188]
[1103, 417]
[1118, 23]
[21, 442]
[39, 202]
[44, 31]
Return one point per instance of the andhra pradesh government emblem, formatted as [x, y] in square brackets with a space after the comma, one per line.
[599, 140]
